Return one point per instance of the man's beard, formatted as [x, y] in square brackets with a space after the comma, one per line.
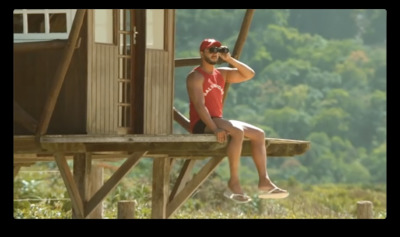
[208, 60]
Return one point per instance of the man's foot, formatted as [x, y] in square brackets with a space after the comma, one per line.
[273, 193]
[237, 197]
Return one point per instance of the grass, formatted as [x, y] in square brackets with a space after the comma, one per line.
[40, 194]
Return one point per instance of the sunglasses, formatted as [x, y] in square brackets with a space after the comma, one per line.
[218, 50]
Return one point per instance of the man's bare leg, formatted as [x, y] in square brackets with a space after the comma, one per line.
[259, 153]
[234, 151]
[238, 130]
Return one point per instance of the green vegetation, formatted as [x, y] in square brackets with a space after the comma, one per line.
[40, 194]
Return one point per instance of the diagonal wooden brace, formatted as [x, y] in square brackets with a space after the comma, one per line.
[192, 185]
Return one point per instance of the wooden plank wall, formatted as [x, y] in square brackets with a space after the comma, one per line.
[159, 84]
[102, 89]
[102, 92]
[33, 75]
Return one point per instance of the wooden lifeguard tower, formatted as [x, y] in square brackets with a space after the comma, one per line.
[102, 88]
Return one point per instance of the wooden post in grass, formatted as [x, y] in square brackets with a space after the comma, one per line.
[364, 210]
[126, 209]
[96, 182]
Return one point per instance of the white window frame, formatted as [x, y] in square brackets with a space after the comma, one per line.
[47, 35]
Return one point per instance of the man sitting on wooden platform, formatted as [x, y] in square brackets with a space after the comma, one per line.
[205, 85]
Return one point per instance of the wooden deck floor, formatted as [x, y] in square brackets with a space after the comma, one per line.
[188, 146]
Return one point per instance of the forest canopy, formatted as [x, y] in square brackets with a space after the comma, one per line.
[320, 77]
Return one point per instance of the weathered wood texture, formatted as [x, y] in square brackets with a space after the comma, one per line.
[102, 116]
[96, 182]
[39, 46]
[181, 120]
[126, 209]
[60, 73]
[113, 181]
[106, 75]
[70, 184]
[177, 145]
[159, 85]
[81, 171]
[89, 179]
[24, 118]
[34, 73]
[364, 210]
[160, 188]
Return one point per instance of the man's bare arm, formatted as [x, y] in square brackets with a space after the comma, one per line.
[240, 71]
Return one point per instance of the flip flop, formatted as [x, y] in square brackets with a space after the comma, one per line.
[243, 198]
[275, 193]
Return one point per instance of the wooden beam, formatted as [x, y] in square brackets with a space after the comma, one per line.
[192, 150]
[24, 118]
[73, 191]
[60, 74]
[113, 181]
[183, 177]
[183, 62]
[16, 169]
[175, 145]
[160, 188]
[39, 46]
[192, 186]
[96, 181]
[130, 138]
[182, 120]
[237, 50]
[82, 167]
[26, 144]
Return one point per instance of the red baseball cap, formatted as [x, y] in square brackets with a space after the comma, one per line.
[207, 43]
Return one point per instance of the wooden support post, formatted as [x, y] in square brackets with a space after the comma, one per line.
[126, 209]
[244, 30]
[182, 178]
[89, 179]
[96, 181]
[182, 120]
[81, 171]
[113, 181]
[73, 191]
[160, 189]
[364, 210]
[16, 170]
[187, 62]
[60, 74]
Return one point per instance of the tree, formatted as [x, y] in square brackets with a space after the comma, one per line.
[329, 23]
[371, 25]
[288, 122]
[332, 121]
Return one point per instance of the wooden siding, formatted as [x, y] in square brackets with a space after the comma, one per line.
[102, 89]
[33, 76]
[102, 110]
[159, 83]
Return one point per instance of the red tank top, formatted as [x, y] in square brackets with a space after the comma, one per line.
[213, 91]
